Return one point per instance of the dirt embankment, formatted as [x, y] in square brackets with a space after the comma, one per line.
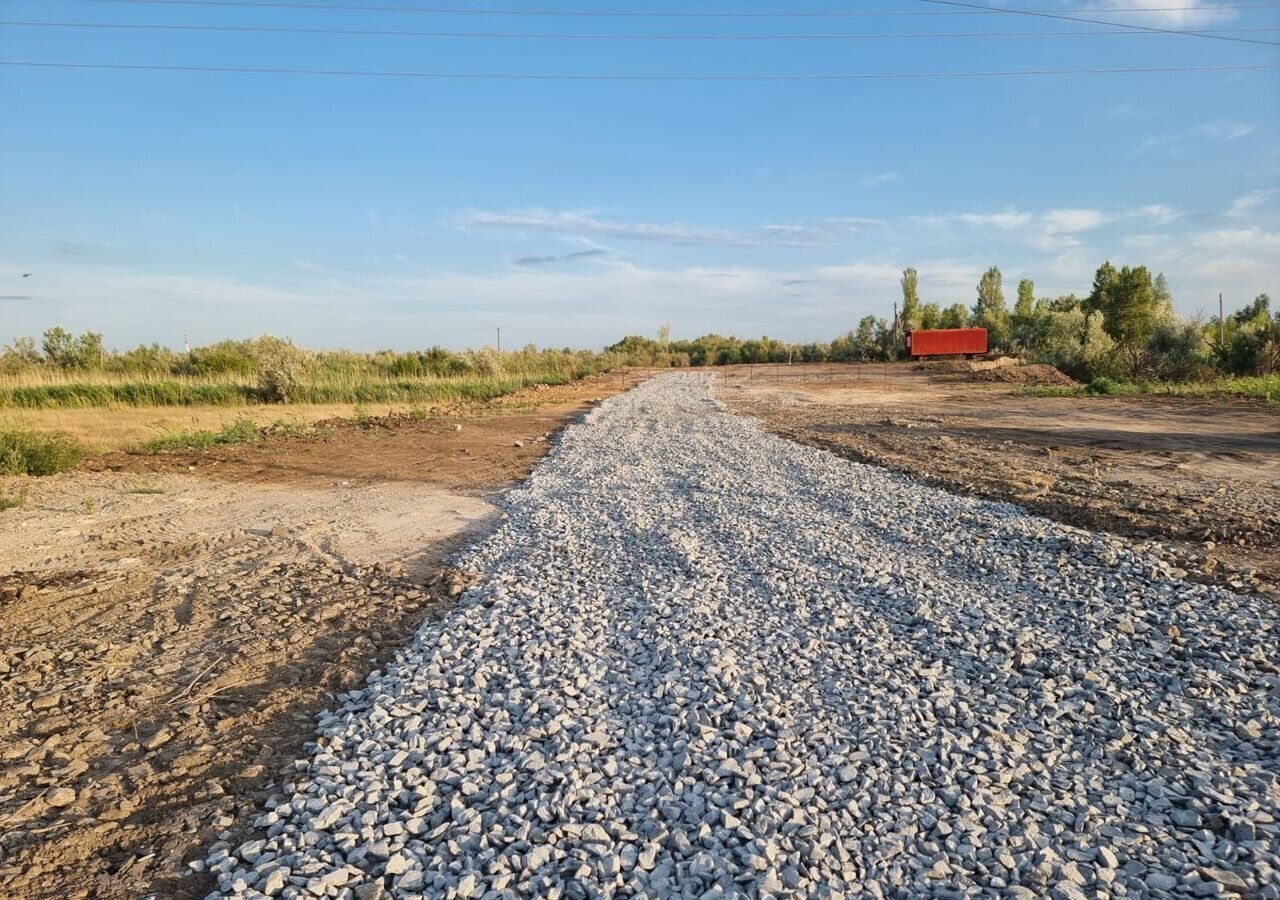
[173, 623]
[1202, 475]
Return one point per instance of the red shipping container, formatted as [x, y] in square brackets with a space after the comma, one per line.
[947, 341]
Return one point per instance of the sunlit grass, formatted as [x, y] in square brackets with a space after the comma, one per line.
[1262, 387]
[56, 390]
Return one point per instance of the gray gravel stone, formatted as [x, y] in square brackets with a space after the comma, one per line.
[698, 660]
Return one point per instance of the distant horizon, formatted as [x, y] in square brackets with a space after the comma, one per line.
[510, 344]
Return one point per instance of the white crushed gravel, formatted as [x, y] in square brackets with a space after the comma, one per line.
[702, 661]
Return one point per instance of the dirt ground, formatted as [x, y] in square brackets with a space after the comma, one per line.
[172, 624]
[1200, 475]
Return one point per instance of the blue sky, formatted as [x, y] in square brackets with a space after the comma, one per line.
[383, 212]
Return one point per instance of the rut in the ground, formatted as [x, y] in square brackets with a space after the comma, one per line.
[702, 661]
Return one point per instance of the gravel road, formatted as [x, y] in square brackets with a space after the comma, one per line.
[702, 661]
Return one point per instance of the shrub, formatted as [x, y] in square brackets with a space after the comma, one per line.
[24, 452]
[282, 368]
[1102, 385]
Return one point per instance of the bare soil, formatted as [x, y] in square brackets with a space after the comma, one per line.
[172, 624]
[1199, 476]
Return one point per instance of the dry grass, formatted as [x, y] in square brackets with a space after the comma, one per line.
[120, 428]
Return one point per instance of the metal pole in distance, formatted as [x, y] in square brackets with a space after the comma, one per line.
[1222, 340]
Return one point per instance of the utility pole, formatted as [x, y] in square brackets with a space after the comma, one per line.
[1222, 340]
[897, 336]
[499, 338]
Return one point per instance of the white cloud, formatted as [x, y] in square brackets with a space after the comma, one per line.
[1246, 203]
[1046, 230]
[1155, 213]
[1007, 220]
[1073, 221]
[1240, 240]
[1053, 230]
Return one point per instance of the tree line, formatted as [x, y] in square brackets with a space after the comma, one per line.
[1126, 326]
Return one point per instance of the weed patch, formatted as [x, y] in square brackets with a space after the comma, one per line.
[25, 452]
[241, 431]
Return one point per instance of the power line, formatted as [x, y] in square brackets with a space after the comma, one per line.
[1065, 18]
[865, 35]
[588, 13]
[538, 76]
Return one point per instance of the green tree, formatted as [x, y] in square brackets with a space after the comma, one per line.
[1025, 306]
[1252, 341]
[954, 316]
[930, 316]
[1256, 313]
[22, 353]
[754, 352]
[844, 348]
[1164, 300]
[58, 345]
[1130, 310]
[1065, 303]
[88, 351]
[866, 340]
[1024, 314]
[888, 341]
[1103, 282]
[910, 300]
[990, 312]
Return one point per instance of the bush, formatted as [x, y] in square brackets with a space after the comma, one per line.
[282, 368]
[24, 452]
[1102, 386]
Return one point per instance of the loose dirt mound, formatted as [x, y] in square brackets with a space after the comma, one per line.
[1030, 375]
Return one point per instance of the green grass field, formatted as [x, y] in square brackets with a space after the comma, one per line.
[1261, 387]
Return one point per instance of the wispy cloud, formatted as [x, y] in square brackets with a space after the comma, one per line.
[586, 225]
[1162, 13]
[527, 261]
[1239, 261]
[1220, 131]
[577, 224]
[1132, 111]
[1246, 203]
[879, 179]
[1053, 229]
[1007, 220]
[1155, 213]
